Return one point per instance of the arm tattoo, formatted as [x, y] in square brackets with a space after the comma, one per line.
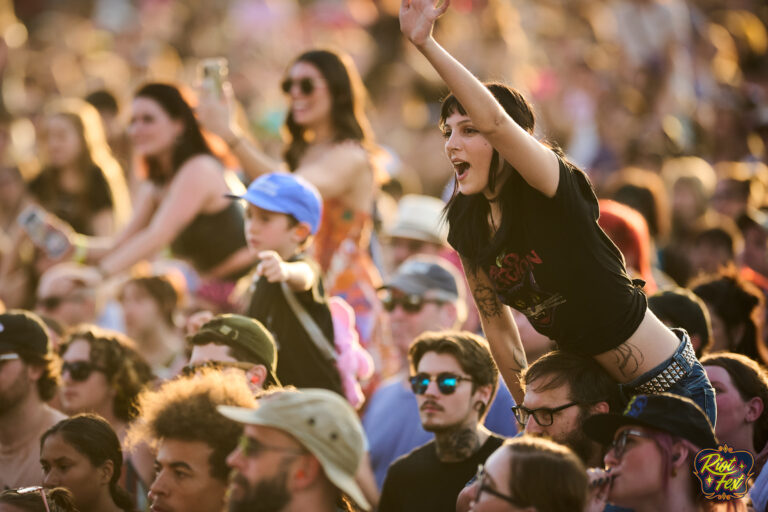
[458, 445]
[520, 361]
[628, 359]
[487, 303]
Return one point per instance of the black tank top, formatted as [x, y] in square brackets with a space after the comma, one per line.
[211, 238]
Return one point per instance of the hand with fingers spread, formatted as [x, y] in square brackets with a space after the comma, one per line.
[417, 18]
[272, 267]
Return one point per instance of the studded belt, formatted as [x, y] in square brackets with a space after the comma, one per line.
[669, 375]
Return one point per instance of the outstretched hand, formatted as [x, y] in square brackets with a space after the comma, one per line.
[417, 18]
[215, 113]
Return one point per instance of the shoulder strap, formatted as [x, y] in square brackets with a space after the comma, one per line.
[314, 332]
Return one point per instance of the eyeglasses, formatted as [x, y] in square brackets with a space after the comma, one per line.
[480, 477]
[252, 447]
[306, 85]
[409, 303]
[446, 382]
[30, 490]
[192, 369]
[54, 301]
[619, 445]
[79, 371]
[544, 416]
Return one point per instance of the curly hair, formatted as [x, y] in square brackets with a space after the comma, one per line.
[471, 352]
[126, 370]
[59, 499]
[185, 409]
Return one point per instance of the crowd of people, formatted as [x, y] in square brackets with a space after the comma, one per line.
[212, 298]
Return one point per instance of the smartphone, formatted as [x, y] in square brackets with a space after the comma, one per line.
[52, 241]
[211, 74]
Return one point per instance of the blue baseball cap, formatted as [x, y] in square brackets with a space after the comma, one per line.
[286, 193]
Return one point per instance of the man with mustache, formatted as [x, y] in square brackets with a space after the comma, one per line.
[454, 379]
[299, 452]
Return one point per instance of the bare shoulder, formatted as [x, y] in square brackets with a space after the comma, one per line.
[200, 167]
[352, 151]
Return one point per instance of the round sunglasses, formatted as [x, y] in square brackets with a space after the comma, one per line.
[447, 382]
[409, 303]
[80, 370]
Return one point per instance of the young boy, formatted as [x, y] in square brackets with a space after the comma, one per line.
[282, 215]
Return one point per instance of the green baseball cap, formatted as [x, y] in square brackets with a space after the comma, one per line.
[244, 333]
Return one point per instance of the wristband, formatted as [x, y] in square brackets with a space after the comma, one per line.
[80, 243]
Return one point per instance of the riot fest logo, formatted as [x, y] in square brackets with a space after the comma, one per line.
[723, 472]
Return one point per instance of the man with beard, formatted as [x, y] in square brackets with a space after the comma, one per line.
[299, 452]
[191, 439]
[561, 391]
[28, 379]
[454, 379]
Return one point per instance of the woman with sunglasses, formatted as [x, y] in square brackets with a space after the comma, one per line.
[524, 221]
[527, 473]
[181, 204]
[37, 499]
[330, 144]
[102, 373]
[83, 454]
[650, 459]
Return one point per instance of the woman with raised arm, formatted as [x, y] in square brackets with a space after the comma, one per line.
[183, 202]
[330, 144]
[524, 221]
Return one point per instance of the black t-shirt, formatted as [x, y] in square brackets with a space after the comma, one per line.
[299, 362]
[75, 209]
[420, 482]
[562, 271]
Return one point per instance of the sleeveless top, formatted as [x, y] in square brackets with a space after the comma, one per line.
[562, 271]
[211, 238]
[341, 249]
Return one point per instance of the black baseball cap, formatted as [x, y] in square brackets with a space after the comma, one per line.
[670, 413]
[420, 273]
[682, 308]
[23, 331]
[242, 332]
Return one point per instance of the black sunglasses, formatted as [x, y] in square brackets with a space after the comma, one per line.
[409, 303]
[306, 85]
[252, 447]
[80, 370]
[446, 382]
[544, 416]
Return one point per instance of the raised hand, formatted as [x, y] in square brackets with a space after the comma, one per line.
[417, 18]
[215, 113]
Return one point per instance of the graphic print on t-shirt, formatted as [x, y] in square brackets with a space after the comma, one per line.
[516, 286]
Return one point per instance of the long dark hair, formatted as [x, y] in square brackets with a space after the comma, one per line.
[190, 143]
[92, 436]
[347, 104]
[468, 230]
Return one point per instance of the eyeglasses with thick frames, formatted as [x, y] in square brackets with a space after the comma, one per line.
[191, 369]
[482, 486]
[79, 371]
[306, 85]
[409, 303]
[619, 445]
[447, 382]
[30, 490]
[252, 447]
[544, 416]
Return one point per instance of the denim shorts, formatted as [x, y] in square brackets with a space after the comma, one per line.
[694, 385]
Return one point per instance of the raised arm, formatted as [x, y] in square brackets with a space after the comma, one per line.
[215, 115]
[536, 163]
[500, 330]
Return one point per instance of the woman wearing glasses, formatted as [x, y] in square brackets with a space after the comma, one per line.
[528, 473]
[330, 144]
[37, 499]
[83, 455]
[102, 373]
[650, 459]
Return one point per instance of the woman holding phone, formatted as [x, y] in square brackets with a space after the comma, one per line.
[524, 221]
[329, 143]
